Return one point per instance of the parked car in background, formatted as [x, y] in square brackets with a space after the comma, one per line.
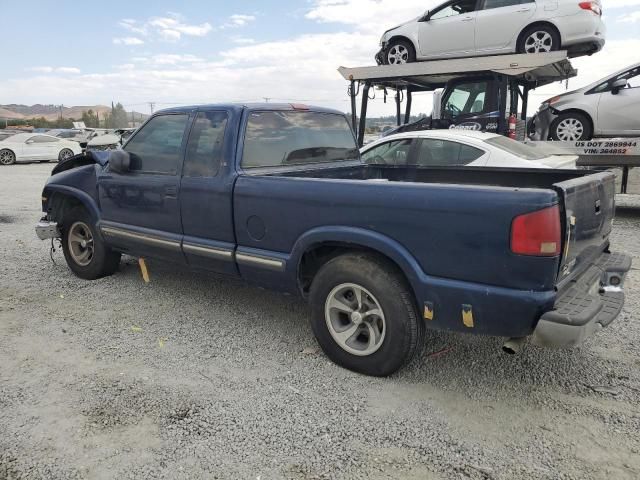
[27, 147]
[443, 148]
[609, 107]
[70, 134]
[464, 28]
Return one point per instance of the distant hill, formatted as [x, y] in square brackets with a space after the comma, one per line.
[52, 112]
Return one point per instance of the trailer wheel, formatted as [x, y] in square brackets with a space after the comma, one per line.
[571, 127]
[364, 316]
[400, 52]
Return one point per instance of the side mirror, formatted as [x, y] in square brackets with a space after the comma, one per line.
[119, 161]
[618, 85]
[425, 17]
[29, 142]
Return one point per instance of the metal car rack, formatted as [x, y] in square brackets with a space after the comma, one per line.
[517, 74]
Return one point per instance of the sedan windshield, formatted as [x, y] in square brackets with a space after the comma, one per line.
[516, 148]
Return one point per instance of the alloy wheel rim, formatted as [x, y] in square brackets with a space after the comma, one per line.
[355, 319]
[538, 42]
[398, 54]
[66, 153]
[570, 129]
[6, 157]
[80, 241]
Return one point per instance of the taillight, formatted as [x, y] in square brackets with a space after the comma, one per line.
[592, 6]
[537, 233]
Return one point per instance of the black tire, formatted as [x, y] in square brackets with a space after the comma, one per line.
[538, 38]
[403, 331]
[64, 154]
[399, 52]
[560, 129]
[7, 157]
[102, 262]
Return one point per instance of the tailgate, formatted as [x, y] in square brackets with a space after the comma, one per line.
[589, 208]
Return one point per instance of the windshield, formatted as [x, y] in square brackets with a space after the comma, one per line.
[465, 98]
[294, 138]
[516, 148]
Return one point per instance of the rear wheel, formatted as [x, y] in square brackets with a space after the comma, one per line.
[363, 314]
[400, 52]
[64, 154]
[539, 39]
[7, 157]
[86, 254]
[571, 127]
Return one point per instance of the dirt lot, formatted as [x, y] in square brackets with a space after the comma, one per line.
[192, 376]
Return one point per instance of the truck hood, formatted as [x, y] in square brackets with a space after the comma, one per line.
[86, 158]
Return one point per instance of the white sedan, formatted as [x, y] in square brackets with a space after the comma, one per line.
[467, 28]
[457, 148]
[28, 147]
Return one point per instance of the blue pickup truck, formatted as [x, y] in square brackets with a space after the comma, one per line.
[278, 195]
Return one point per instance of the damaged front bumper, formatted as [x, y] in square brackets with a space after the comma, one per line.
[541, 124]
[46, 229]
[590, 303]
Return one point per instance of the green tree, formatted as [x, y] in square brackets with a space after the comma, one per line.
[90, 119]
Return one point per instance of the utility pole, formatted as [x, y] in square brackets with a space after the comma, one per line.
[266, 99]
[151, 105]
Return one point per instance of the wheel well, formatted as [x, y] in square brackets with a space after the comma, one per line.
[404, 39]
[314, 258]
[538, 24]
[60, 204]
[581, 112]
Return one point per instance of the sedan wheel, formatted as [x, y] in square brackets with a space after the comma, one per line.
[538, 42]
[65, 154]
[400, 52]
[570, 129]
[7, 157]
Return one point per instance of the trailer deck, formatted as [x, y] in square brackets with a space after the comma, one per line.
[522, 72]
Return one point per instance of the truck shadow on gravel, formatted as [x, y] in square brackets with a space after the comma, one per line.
[474, 364]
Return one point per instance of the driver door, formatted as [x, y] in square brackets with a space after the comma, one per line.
[449, 30]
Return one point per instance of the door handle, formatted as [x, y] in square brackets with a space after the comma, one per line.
[522, 10]
[171, 191]
[467, 19]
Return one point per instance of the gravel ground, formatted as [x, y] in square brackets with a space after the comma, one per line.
[192, 376]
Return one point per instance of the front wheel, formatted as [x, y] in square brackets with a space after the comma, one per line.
[571, 127]
[364, 316]
[86, 254]
[400, 52]
[7, 157]
[539, 39]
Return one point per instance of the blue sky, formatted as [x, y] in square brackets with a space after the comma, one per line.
[197, 51]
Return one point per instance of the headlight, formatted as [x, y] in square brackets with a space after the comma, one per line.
[547, 103]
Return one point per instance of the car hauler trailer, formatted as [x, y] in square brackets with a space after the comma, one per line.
[503, 84]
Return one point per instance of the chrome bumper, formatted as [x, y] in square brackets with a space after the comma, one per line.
[46, 229]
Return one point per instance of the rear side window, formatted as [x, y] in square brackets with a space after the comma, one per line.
[489, 4]
[433, 152]
[294, 138]
[156, 147]
[204, 149]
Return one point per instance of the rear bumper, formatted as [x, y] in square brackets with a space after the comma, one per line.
[590, 303]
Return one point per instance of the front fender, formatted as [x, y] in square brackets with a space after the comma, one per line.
[84, 198]
[358, 237]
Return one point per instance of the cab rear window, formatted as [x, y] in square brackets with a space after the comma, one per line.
[277, 138]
